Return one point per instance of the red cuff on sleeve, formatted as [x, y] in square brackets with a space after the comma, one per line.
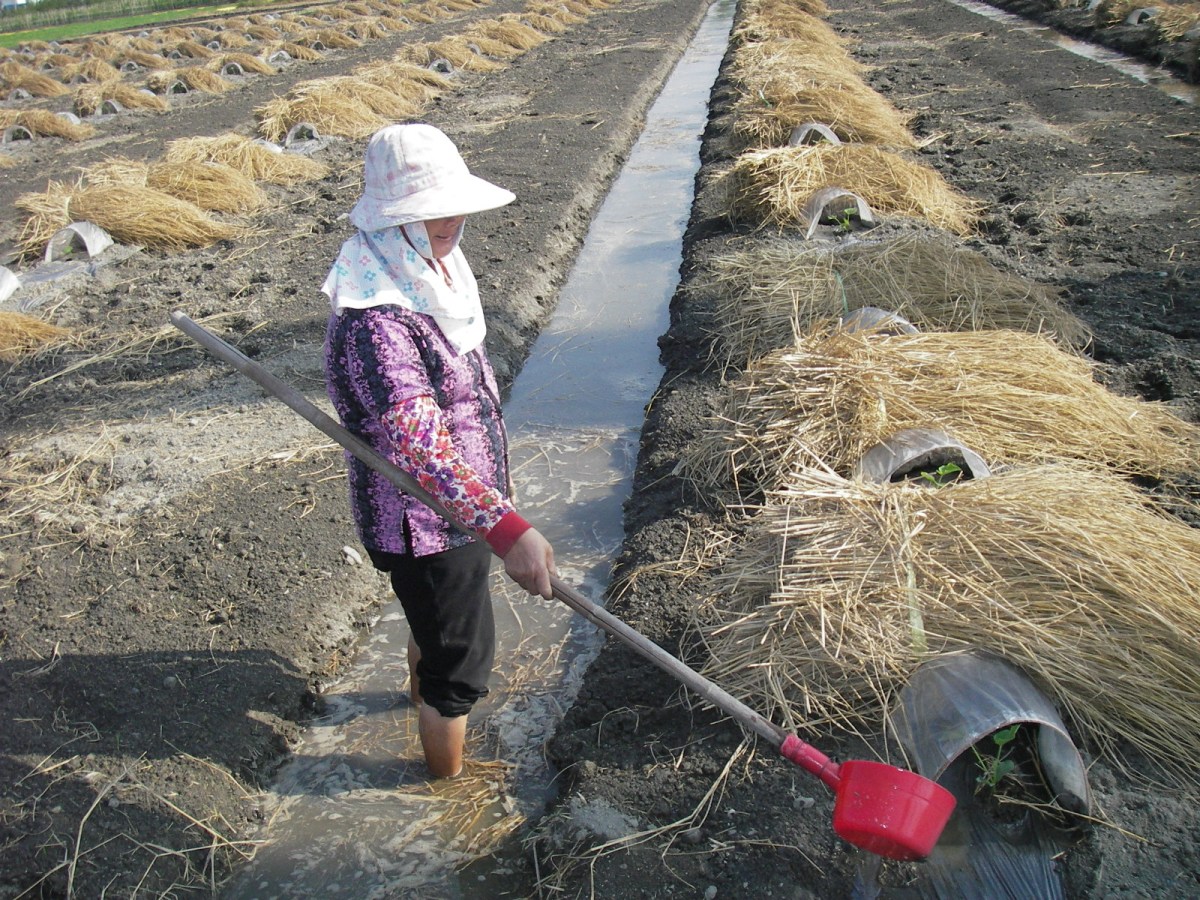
[506, 533]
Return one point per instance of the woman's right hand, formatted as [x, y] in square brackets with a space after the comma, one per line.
[530, 563]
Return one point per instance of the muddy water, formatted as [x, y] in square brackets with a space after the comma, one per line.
[1172, 87]
[353, 814]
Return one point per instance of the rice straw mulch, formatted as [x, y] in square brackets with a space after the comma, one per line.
[842, 589]
[456, 50]
[1012, 397]
[44, 123]
[23, 335]
[89, 98]
[13, 75]
[1174, 21]
[131, 213]
[197, 78]
[771, 187]
[209, 185]
[346, 116]
[785, 82]
[774, 291]
[249, 157]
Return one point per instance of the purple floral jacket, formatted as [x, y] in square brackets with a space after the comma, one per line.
[396, 383]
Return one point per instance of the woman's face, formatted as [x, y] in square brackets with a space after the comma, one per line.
[443, 234]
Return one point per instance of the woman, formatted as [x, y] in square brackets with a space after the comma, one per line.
[407, 372]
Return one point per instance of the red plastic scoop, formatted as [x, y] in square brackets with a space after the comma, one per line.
[892, 812]
[888, 811]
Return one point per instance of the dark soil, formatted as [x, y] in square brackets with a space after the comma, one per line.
[173, 602]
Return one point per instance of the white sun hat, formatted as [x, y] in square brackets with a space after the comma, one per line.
[413, 173]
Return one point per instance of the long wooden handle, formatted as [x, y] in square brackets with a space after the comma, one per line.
[597, 615]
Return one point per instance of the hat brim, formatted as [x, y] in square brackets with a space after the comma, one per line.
[468, 194]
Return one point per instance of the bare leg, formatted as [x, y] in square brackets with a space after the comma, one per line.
[414, 684]
[442, 740]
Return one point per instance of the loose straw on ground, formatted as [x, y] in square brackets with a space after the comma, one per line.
[1012, 397]
[771, 187]
[774, 291]
[23, 335]
[841, 589]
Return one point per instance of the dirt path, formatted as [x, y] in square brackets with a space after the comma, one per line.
[178, 591]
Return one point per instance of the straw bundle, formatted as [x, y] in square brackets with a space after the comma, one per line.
[782, 13]
[510, 30]
[792, 23]
[1113, 12]
[101, 47]
[264, 33]
[145, 60]
[233, 40]
[22, 335]
[394, 24]
[117, 170]
[47, 212]
[209, 185]
[778, 99]
[456, 50]
[543, 23]
[295, 51]
[492, 47]
[6, 161]
[94, 70]
[772, 186]
[142, 215]
[774, 291]
[369, 29]
[344, 105]
[196, 78]
[556, 11]
[842, 589]
[13, 75]
[577, 7]
[252, 159]
[337, 12]
[58, 61]
[1012, 397]
[1173, 22]
[247, 62]
[192, 50]
[90, 97]
[419, 14]
[415, 84]
[44, 123]
[335, 40]
[143, 45]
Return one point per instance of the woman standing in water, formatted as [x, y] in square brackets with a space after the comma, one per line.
[407, 372]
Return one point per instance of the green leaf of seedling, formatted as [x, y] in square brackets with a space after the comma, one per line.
[1006, 735]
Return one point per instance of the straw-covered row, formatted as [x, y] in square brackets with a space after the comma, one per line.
[772, 187]
[1012, 397]
[773, 291]
[841, 589]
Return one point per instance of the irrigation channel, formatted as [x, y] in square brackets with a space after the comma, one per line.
[353, 814]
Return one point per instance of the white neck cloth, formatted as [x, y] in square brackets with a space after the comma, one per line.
[380, 268]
